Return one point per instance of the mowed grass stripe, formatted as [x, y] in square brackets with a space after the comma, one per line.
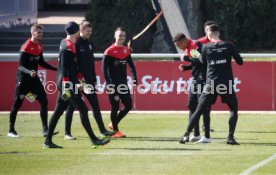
[151, 147]
[103, 153]
[259, 165]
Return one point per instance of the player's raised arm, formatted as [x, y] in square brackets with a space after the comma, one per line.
[189, 67]
[44, 64]
[236, 56]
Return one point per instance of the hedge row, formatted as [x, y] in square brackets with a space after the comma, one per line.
[107, 15]
[251, 24]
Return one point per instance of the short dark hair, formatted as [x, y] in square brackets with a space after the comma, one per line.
[209, 22]
[71, 28]
[179, 37]
[120, 29]
[35, 27]
[213, 28]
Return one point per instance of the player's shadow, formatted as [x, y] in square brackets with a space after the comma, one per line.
[147, 139]
[153, 139]
[224, 138]
[13, 153]
[168, 149]
[257, 132]
[157, 149]
[170, 139]
[259, 144]
[253, 132]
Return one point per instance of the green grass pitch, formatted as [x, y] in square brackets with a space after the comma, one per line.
[151, 147]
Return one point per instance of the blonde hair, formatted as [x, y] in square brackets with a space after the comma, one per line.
[85, 24]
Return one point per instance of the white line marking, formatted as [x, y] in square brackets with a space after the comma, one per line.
[262, 163]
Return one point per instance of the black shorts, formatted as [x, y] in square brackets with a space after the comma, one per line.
[195, 92]
[206, 99]
[116, 97]
[34, 86]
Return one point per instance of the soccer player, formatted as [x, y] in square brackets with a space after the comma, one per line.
[67, 79]
[115, 59]
[199, 78]
[27, 81]
[85, 60]
[218, 55]
[205, 39]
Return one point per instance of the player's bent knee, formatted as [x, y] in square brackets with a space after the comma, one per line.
[128, 106]
[58, 113]
[115, 106]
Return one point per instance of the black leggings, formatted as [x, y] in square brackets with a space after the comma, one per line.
[114, 100]
[93, 100]
[193, 98]
[206, 100]
[35, 87]
[61, 107]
